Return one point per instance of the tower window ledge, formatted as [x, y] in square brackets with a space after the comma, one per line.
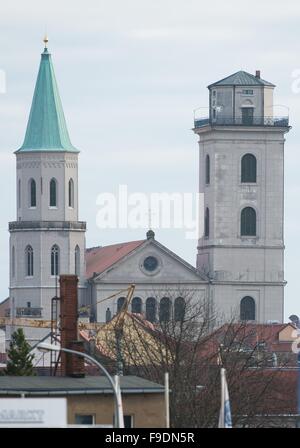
[52, 208]
[32, 208]
[28, 277]
[249, 239]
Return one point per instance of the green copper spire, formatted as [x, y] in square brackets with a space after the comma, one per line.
[46, 128]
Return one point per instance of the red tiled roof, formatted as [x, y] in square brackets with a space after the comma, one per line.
[256, 333]
[98, 259]
[282, 392]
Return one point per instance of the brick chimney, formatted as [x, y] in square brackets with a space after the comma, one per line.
[71, 365]
[257, 74]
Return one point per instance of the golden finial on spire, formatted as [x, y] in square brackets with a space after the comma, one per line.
[46, 40]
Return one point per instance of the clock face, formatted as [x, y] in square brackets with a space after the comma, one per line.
[150, 263]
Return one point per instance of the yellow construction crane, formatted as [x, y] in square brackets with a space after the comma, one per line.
[40, 323]
[118, 327]
[129, 290]
[119, 322]
[23, 322]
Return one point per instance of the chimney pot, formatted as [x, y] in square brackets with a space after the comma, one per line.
[257, 74]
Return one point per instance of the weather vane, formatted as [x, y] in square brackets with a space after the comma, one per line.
[46, 40]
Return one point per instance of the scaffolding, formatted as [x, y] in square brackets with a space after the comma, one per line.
[55, 361]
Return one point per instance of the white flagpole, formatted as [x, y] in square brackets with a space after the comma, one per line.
[222, 408]
[119, 406]
[167, 391]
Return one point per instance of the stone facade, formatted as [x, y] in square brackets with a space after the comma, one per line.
[172, 278]
[243, 265]
[42, 227]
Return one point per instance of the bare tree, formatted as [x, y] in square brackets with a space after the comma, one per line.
[186, 342]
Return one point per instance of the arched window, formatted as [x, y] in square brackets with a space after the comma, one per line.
[53, 193]
[206, 223]
[248, 168]
[13, 262]
[29, 261]
[247, 308]
[71, 193]
[32, 193]
[179, 309]
[120, 303]
[77, 260]
[136, 305]
[151, 309]
[55, 260]
[165, 309]
[248, 222]
[207, 169]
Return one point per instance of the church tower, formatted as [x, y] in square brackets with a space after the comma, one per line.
[241, 175]
[47, 239]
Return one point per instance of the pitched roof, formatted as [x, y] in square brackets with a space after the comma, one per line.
[98, 259]
[250, 335]
[241, 78]
[136, 329]
[41, 385]
[46, 128]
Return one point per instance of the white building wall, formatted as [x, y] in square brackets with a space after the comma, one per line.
[40, 288]
[42, 167]
[144, 291]
[225, 255]
[42, 227]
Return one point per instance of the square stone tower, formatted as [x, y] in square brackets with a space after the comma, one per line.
[241, 175]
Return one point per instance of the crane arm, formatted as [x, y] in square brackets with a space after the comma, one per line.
[23, 322]
[87, 307]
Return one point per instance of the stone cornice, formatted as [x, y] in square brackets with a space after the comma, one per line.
[20, 226]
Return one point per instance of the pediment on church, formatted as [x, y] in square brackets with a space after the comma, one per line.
[145, 261]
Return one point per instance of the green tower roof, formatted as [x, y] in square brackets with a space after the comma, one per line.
[242, 78]
[46, 128]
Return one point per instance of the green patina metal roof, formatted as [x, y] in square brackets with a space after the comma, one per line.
[46, 128]
[242, 78]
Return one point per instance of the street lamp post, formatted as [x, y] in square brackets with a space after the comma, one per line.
[118, 399]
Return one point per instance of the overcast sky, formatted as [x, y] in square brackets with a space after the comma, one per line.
[130, 74]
